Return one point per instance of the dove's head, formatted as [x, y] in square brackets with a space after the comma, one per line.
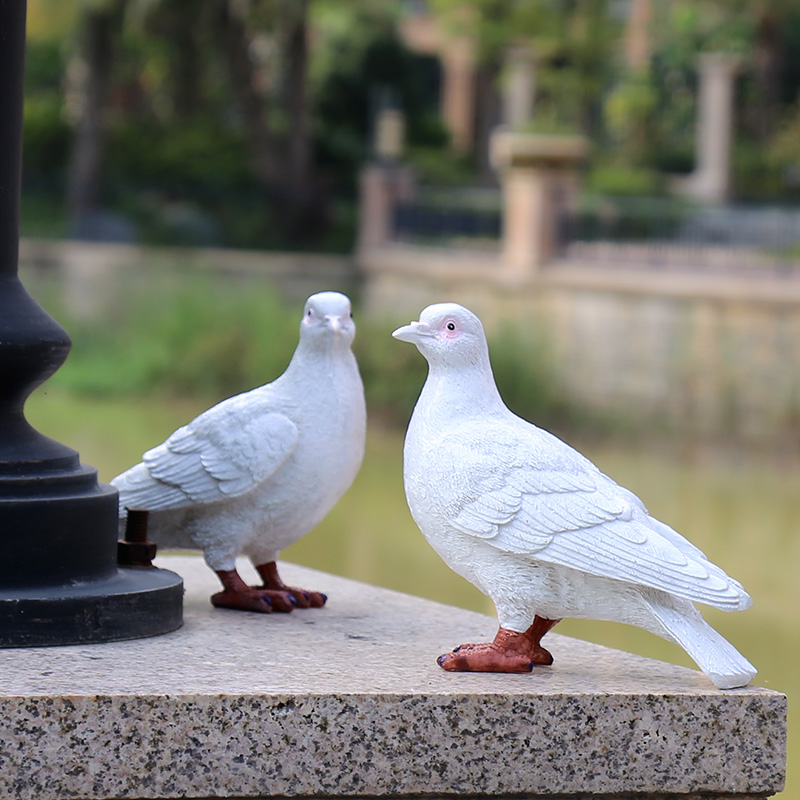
[447, 334]
[327, 318]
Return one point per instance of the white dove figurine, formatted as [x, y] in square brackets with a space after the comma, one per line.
[537, 527]
[258, 471]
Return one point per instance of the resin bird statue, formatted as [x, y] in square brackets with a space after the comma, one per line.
[258, 471]
[537, 527]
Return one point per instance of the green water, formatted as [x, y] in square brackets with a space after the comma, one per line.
[743, 511]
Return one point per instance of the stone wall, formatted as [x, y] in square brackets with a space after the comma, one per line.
[91, 273]
[719, 355]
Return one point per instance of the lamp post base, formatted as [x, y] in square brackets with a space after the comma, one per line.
[60, 582]
[130, 603]
[59, 579]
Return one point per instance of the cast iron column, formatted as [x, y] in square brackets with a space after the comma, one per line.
[59, 579]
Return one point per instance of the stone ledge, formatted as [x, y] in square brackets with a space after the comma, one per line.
[348, 701]
[486, 268]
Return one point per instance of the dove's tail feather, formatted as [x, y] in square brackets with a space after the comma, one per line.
[717, 657]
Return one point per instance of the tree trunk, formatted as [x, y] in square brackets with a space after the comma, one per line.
[234, 43]
[85, 168]
[299, 140]
[488, 115]
[177, 22]
[767, 68]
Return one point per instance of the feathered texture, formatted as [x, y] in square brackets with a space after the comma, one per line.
[537, 526]
[257, 471]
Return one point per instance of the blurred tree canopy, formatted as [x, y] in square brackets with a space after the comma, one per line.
[574, 43]
[243, 122]
[213, 121]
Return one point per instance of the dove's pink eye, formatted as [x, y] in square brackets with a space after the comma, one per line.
[449, 329]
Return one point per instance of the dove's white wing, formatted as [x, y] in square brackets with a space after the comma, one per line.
[223, 453]
[526, 492]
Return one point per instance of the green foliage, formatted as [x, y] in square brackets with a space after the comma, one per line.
[525, 377]
[713, 27]
[181, 335]
[548, 122]
[784, 152]
[42, 215]
[436, 168]
[46, 137]
[758, 175]
[622, 179]
[193, 187]
[359, 65]
[179, 160]
[628, 110]
[46, 134]
[196, 335]
[393, 374]
[573, 44]
[198, 156]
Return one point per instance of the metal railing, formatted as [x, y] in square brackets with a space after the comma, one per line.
[671, 234]
[636, 232]
[450, 217]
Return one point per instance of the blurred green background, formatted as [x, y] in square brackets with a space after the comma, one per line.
[243, 124]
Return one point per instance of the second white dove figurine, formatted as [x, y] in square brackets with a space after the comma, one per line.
[258, 471]
[537, 527]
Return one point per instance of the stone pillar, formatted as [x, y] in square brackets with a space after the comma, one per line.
[538, 180]
[458, 94]
[424, 32]
[382, 185]
[710, 180]
[390, 133]
[519, 89]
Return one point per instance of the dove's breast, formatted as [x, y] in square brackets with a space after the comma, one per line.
[330, 447]
[430, 478]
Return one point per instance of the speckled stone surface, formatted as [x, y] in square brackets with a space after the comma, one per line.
[349, 701]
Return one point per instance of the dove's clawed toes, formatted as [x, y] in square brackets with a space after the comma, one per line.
[244, 601]
[509, 652]
[301, 598]
[273, 583]
[313, 599]
[485, 658]
[238, 595]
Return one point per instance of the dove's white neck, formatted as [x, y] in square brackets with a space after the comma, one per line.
[330, 362]
[459, 392]
[321, 350]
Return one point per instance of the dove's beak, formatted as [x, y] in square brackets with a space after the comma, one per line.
[335, 322]
[414, 332]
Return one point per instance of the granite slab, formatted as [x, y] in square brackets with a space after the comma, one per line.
[348, 701]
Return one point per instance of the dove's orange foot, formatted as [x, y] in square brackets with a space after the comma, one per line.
[273, 583]
[237, 594]
[509, 652]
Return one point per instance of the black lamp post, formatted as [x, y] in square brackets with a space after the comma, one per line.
[59, 579]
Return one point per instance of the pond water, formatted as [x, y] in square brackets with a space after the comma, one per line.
[743, 511]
